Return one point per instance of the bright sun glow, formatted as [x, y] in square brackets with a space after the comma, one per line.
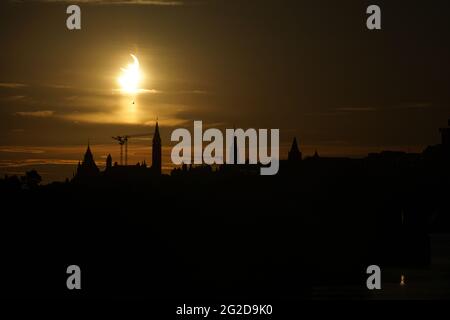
[130, 77]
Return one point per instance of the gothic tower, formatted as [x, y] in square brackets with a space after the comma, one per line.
[87, 168]
[294, 153]
[156, 151]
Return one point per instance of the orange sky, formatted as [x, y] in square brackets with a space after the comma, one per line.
[335, 86]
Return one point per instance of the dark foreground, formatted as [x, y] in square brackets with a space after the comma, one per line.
[225, 237]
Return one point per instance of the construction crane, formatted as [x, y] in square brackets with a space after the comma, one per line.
[123, 141]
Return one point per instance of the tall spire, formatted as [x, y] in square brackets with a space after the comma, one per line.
[156, 151]
[87, 168]
[88, 157]
[294, 154]
[156, 135]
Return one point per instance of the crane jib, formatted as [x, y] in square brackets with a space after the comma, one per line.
[123, 140]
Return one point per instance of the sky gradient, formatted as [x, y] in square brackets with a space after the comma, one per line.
[309, 68]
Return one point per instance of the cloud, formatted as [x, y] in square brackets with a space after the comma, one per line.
[416, 105]
[166, 92]
[58, 86]
[122, 117]
[18, 130]
[14, 98]
[139, 91]
[341, 111]
[34, 162]
[356, 109]
[200, 92]
[14, 149]
[12, 85]
[38, 114]
[324, 114]
[113, 2]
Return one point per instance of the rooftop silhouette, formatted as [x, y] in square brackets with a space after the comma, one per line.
[174, 228]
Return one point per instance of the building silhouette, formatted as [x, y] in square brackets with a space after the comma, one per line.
[87, 168]
[394, 197]
[445, 135]
[108, 162]
[294, 153]
[156, 152]
[439, 153]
